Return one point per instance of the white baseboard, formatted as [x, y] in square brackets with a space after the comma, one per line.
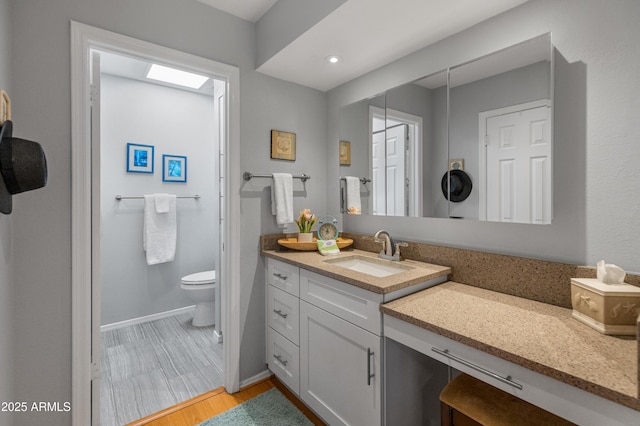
[147, 318]
[217, 336]
[254, 379]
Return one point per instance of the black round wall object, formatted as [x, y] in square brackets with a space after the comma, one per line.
[456, 185]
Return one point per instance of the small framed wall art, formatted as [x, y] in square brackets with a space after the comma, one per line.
[283, 145]
[345, 153]
[174, 168]
[456, 164]
[139, 158]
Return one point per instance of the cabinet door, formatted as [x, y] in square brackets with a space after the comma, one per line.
[339, 368]
[356, 305]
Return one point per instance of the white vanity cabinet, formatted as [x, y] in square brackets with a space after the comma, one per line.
[325, 339]
[323, 342]
[340, 351]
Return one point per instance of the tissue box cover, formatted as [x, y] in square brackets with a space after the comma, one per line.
[608, 308]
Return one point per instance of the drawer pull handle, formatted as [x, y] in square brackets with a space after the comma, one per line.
[280, 313]
[370, 375]
[282, 361]
[279, 275]
[507, 380]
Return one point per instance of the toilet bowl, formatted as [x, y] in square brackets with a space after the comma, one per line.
[201, 288]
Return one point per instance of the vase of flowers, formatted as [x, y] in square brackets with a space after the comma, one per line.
[305, 222]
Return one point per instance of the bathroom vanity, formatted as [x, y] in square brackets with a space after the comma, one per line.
[532, 350]
[324, 335]
[361, 349]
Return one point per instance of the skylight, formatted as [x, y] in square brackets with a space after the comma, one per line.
[175, 76]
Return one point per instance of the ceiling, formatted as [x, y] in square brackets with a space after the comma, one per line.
[136, 69]
[366, 34]
[249, 10]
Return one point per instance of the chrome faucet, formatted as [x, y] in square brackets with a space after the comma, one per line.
[390, 250]
[387, 243]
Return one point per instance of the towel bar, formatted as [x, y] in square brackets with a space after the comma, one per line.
[363, 180]
[135, 197]
[249, 176]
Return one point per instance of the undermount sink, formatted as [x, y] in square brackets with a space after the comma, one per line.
[369, 265]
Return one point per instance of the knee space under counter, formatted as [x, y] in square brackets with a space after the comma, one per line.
[483, 404]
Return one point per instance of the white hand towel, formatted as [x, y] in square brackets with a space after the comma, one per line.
[353, 195]
[282, 198]
[159, 229]
[163, 202]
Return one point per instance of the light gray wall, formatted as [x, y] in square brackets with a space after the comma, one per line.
[42, 225]
[175, 122]
[354, 128]
[6, 239]
[595, 135]
[280, 106]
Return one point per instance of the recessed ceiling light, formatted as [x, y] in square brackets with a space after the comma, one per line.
[333, 59]
[175, 76]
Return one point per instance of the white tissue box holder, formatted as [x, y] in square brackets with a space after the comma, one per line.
[608, 308]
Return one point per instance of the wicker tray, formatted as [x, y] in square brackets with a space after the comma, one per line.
[293, 243]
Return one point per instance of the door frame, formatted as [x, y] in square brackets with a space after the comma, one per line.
[482, 144]
[83, 368]
[415, 160]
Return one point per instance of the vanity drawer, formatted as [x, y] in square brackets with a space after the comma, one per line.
[283, 313]
[358, 306]
[283, 276]
[283, 358]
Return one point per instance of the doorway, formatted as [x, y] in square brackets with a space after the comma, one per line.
[148, 341]
[88, 199]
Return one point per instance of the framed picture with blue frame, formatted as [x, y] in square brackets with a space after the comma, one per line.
[139, 158]
[174, 168]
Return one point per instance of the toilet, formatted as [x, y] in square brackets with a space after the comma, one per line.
[201, 288]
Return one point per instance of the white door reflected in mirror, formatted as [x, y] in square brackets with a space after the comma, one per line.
[516, 148]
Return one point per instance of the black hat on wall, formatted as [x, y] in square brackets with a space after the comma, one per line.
[23, 166]
[456, 185]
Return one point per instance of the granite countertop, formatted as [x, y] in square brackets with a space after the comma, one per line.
[315, 262]
[538, 336]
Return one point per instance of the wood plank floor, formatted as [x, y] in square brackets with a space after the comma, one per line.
[203, 407]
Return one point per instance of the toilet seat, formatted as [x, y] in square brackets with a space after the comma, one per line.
[200, 278]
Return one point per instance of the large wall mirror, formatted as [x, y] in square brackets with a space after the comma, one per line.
[470, 142]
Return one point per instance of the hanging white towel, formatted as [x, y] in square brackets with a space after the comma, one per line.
[162, 202]
[353, 195]
[282, 198]
[159, 229]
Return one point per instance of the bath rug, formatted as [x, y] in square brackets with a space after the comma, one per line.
[270, 408]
